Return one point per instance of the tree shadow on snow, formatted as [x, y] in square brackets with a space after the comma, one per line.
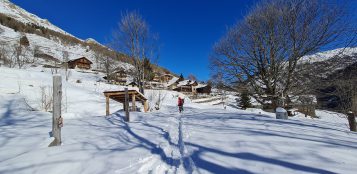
[269, 122]
[118, 120]
[144, 142]
[215, 168]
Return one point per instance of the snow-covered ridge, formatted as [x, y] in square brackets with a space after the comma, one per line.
[91, 40]
[326, 55]
[16, 12]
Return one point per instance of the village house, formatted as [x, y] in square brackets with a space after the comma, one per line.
[186, 86]
[82, 63]
[172, 84]
[157, 77]
[162, 78]
[203, 89]
[166, 78]
[154, 85]
[119, 76]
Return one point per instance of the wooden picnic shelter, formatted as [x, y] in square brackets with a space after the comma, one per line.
[119, 96]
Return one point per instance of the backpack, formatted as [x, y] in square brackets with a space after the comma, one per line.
[180, 102]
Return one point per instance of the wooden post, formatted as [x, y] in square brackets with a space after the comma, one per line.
[352, 121]
[127, 105]
[133, 103]
[56, 112]
[107, 105]
[146, 106]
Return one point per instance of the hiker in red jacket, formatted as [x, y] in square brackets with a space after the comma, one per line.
[180, 104]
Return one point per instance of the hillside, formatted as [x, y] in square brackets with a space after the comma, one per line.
[326, 63]
[203, 139]
[13, 11]
[47, 42]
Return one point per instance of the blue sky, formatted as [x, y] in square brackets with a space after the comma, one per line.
[187, 28]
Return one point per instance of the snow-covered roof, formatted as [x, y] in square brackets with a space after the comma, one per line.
[280, 110]
[75, 58]
[172, 81]
[129, 80]
[183, 83]
[186, 82]
[200, 85]
[167, 75]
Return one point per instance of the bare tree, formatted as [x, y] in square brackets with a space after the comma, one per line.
[156, 98]
[3, 55]
[263, 50]
[108, 64]
[20, 54]
[46, 98]
[133, 37]
[192, 77]
[98, 57]
[341, 87]
[36, 50]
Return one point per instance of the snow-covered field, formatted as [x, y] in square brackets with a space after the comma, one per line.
[203, 139]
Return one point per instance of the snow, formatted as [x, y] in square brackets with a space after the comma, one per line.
[50, 46]
[280, 110]
[203, 139]
[326, 55]
[93, 41]
[183, 83]
[200, 85]
[172, 81]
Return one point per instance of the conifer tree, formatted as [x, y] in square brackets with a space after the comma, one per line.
[244, 101]
[181, 78]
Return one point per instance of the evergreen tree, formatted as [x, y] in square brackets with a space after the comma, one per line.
[244, 101]
[148, 70]
[181, 78]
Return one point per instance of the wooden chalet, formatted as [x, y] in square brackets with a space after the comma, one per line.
[156, 78]
[162, 78]
[166, 78]
[203, 89]
[172, 84]
[186, 86]
[82, 63]
[154, 85]
[131, 83]
[118, 77]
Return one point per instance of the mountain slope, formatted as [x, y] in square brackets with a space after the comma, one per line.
[14, 11]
